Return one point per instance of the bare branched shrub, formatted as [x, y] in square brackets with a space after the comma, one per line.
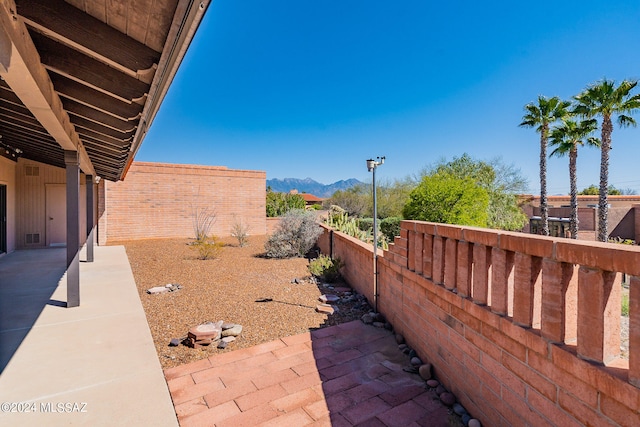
[203, 219]
[296, 234]
[240, 231]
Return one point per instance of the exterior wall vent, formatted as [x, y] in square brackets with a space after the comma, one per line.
[32, 239]
[32, 170]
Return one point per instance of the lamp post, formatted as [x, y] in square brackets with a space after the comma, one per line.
[372, 165]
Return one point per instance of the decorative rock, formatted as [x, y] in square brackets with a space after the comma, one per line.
[459, 409]
[232, 332]
[415, 361]
[222, 345]
[227, 325]
[379, 317]
[474, 423]
[329, 298]
[378, 324]
[413, 353]
[465, 419]
[175, 342]
[402, 346]
[433, 383]
[407, 350]
[342, 289]
[440, 390]
[296, 281]
[367, 319]
[325, 308]
[228, 339]
[388, 326]
[158, 290]
[425, 371]
[448, 398]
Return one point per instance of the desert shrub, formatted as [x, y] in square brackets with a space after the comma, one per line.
[325, 268]
[390, 227]
[365, 224]
[316, 207]
[203, 219]
[240, 231]
[208, 248]
[295, 235]
[625, 305]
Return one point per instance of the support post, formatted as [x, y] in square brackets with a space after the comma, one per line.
[72, 162]
[90, 222]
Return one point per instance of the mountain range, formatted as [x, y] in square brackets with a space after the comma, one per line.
[310, 186]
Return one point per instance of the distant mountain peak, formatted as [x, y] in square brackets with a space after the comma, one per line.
[308, 185]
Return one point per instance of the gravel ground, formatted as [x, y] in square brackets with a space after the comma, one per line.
[226, 289]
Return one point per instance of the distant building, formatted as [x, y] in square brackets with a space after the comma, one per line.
[309, 199]
[623, 217]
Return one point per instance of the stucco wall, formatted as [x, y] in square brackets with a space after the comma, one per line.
[157, 200]
[8, 178]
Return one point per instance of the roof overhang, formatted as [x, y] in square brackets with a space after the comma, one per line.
[88, 76]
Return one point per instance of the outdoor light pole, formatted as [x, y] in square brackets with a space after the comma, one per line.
[372, 165]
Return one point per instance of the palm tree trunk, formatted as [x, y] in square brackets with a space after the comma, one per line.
[544, 209]
[603, 207]
[573, 157]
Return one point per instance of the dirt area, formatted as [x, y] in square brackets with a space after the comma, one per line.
[226, 289]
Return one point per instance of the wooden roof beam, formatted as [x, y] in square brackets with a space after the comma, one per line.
[20, 67]
[85, 95]
[71, 26]
[77, 66]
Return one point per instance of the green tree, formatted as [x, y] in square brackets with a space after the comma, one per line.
[278, 204]
[540, 116]
[594, 190]
[566, 138]
[392, 196]
[445, 198]
[501, 182]
[605, 100]
[355, 200]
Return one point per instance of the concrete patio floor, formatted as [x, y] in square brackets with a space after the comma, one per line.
[345, 375]
[97, 360]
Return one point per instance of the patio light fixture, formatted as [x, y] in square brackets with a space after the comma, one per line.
[372, 165]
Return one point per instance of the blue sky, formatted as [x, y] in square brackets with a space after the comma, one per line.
[314, 88]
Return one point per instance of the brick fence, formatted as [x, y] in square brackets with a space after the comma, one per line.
[157, 200]
[524, 330]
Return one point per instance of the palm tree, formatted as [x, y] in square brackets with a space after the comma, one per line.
[540, 116]
[606, 100]
[566, 138]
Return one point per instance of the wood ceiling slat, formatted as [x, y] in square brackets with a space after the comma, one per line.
[119, 147]
[96, 8]
[60, 20]
[138, 19]
[100, 137]
[101, 129]
[117, 15]
[11, 124]
[89, 113]
[66, 61]
[96, 99]
[161, 19]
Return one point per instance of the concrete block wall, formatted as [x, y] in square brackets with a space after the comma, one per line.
[524, 330]
[158, 200]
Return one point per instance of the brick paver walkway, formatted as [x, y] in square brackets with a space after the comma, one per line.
[345, 375]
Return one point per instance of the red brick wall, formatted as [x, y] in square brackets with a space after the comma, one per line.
[158, 200]
[524, 330]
